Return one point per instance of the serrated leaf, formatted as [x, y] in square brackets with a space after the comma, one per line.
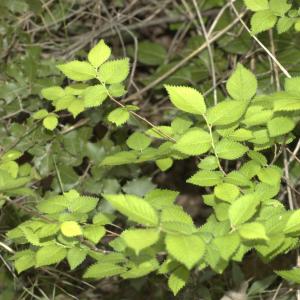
[280, 126]
[102, 270]
[164, 164]
[262, 21]
[118, 116]
[227, 192]
[242, 84]
[49, 255]
[279, 7]
[138, 141]
[257, 5]
[139, 239]
[40, 114]
[94, 95]
[230, 150]
[120, 158]
[186, 99]
[50, 122]
[135, 208]
[242, 209]
[142, 269]
[258, 157]
[290, 275]
[24, 260]
[253, 231]
[178, 280]
[53, 205]
[75, 257]
[70, 228]
[159, 198]
[227, 245]
[292, 226]
[78, 70]
[52, 92]
[208, 163]
[206, 178]
[82, 204]
[226, 112]
[114, 71]
[99, 54]
[94, 232]
[258, 118]
[76, 107]
[195, 141]
[270, 175]
[292, 85]
[284, 24]
[186, 249]
[151, 54]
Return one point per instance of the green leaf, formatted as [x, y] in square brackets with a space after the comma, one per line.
[257, 118]
[40, 114]
[257, 5]
[292, 85]
[258, 157]
[186, 249]
[78, 70]
[292, 226]
[120, 158]
[50, 122]
[230, 150]
[135, 208]
[138, 141]
[118, 116]
[24, 260]
[227, 192]
[159, 198]
[99, 54]
[178, 280]
[164, 164]
[70, 228]
[206, 178]
[186, 99]
[208, 163]
[280, 126]
[75, 257]
[114, 71]
[262, 21]
[53, 205]
[76, 107]
[53, 92]
[284, 24]
[142, 269]
[195, 141]
[117, 90]
[49, 255]
[227, 245]
[102, 270]
[270, 175]
[242, 209]
[279, 7]
[94, 232]
[151, 54]
[226, 112]
[253, 231]
[242, 84]
[139, 239]
[94, 95]
[290, 275]
[82, 204]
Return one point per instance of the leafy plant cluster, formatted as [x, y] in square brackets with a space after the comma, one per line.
[283, 14]
[160, 236]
